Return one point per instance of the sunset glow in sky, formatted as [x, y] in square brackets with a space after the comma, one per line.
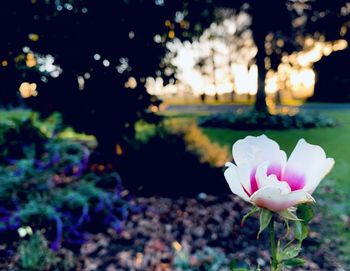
[227, 56]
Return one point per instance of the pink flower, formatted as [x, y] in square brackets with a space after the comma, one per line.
[263, 176]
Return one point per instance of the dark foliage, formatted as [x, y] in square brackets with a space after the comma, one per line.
[75, 33]
[333, 78]
[164, 166]
[254, 120]
[105, 43]
[44, 185]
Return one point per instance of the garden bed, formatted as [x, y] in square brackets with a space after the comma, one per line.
[202, 233]
[254, 120]
[178, 229]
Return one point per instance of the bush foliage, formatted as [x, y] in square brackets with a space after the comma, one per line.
[45, 183]
[254, 120]
[175, 159]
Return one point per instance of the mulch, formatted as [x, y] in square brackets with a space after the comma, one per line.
[198, 234]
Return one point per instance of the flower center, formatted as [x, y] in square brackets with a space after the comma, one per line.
[272, 169]
[295, 180]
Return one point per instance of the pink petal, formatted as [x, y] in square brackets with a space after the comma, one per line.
[316, 178]
[273, 199]
[234, 181]
[274, 169]
[263, 180]
[257, 150]
[253, 183]
[295, 180]
[306, 166]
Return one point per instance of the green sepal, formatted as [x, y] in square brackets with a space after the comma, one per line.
[250, 213]
[265, 218]
[286, 214]
[286, 221]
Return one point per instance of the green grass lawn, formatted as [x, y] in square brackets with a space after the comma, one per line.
[333, 194]
[335, 141]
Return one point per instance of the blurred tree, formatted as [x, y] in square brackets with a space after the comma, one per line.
[85, 59]
[226, 43]
[269, 17]
[279, 28]
[332, 21]
[89, 59]
[333, 78]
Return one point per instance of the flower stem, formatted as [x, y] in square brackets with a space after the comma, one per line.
[274, 263]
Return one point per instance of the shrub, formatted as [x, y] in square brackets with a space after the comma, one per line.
[253, 120]
[208, 258]
[199, 144]
[45, 185]
[35, 253]
[18, 133]
[101, 102]
[178, 160]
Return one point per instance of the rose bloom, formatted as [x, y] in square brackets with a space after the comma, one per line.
[263, 176]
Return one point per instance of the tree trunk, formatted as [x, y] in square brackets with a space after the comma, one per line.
[260, 102]
[268, 16]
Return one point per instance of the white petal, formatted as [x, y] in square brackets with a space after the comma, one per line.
[263, 180]
[306, 166]
[256, 150]
[314, 180]
[272, 198]
[233, 179]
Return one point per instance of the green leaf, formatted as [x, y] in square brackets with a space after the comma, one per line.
[236, 266]
[286, 221]
[300, 230]
[286, 214]
[278, 251]
[265, 218]
[294, 262]
[305, 212]
[291, 252]
[253, 211]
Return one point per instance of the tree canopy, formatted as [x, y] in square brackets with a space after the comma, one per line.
[89, 59]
